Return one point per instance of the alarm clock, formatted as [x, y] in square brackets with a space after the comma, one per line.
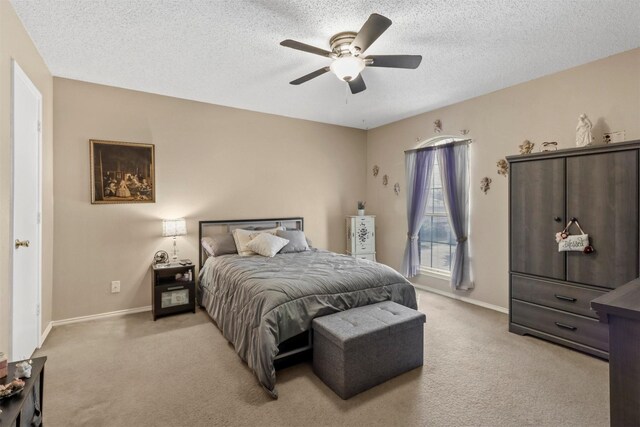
[161, 257]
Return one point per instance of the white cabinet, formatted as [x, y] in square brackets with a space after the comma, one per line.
[361, 236]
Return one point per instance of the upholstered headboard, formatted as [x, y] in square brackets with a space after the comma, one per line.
[209, 228]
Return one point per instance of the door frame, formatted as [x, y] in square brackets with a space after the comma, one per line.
[18, 73]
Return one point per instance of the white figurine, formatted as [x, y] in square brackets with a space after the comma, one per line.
[583, 131]
[23, 370]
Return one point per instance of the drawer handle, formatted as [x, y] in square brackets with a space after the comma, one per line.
[175, 288]
[563, 298]
[565, 326]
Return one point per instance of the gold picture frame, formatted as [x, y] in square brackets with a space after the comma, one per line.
[122, 172]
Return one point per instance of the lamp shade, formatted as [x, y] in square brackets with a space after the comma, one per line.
[347, 68]
[174, 227]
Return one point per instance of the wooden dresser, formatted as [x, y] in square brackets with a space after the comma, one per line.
[620, 309]
[551, 291]
[25, 408]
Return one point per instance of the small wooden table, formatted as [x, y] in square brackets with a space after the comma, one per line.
[13, 407]
[620, 308]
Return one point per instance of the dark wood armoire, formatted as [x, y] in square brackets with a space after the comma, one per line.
[551, 291]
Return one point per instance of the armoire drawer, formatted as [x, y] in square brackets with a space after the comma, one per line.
[556, 295]
[368, 220]
[569, 326]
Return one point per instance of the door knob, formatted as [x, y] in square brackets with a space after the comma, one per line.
[24, 243]
[557, 219]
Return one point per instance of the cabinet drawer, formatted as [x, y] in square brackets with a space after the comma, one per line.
[569, 326]
[365, 220]
[564, 297]
[174, 298]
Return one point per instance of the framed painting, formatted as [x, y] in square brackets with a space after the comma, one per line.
[122, 172]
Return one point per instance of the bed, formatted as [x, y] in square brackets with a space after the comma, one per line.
[260, 303]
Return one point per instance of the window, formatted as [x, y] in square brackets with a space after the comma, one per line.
[437, 241]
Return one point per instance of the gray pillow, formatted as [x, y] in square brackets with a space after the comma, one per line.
[297, 241]
[220, 244]
[308, 241]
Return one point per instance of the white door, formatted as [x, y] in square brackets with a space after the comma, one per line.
[27, 177]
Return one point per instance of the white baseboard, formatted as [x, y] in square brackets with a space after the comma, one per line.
[463, 298]
[45, 334]
[100, 316]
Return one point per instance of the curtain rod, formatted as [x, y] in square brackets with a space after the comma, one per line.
[435, 147]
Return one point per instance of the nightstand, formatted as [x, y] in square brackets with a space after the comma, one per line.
[170, 295]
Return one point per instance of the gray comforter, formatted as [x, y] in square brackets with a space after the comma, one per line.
[259, 302]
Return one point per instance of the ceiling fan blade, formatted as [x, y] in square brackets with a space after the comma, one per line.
[305, 47]
[310, 76]
[357, 85]
[395, 61]
[370, 31]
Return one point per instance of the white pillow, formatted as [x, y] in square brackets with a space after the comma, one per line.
[267, 244]
[242, 237]
[206, 245]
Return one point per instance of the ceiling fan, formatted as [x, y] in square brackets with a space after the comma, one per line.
[346, 51]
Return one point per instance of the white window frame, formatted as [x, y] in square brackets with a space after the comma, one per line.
[431, 142]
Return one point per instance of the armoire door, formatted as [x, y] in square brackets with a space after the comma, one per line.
[602, 193]
[537, 212]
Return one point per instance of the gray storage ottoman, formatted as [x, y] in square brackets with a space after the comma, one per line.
[356, 349]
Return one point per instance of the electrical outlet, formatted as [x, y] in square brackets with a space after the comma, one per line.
[115, 286]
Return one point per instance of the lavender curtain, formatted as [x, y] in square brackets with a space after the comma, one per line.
[418, 168]
[454, 169]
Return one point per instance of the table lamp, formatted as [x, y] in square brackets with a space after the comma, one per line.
[173, 228]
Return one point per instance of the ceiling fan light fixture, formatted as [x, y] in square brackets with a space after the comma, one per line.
[347, 68]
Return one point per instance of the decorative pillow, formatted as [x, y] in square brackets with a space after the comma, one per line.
[309, 243]
[206, 245]
[242, 237]
[266, 244]
[297, 241]
[219, 244]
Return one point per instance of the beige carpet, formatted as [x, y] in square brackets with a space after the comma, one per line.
[180, 371]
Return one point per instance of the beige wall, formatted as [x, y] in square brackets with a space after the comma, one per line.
[212, 162]
[546, 109]
[215, 162]
[16, 44]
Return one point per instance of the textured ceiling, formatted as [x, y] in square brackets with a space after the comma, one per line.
[227, 51]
